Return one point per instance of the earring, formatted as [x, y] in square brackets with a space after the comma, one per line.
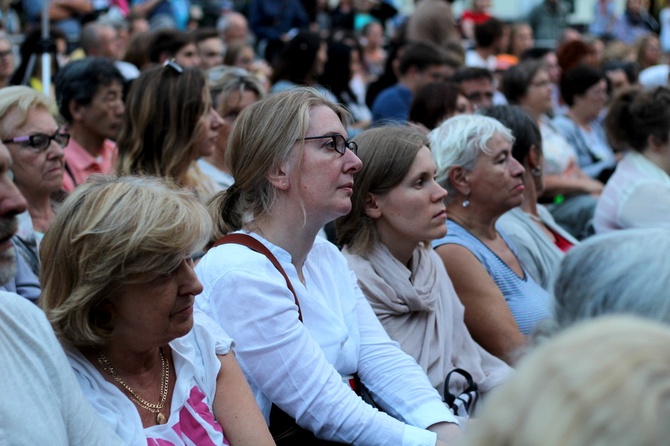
[536, 171]
[466, 203]
[284, 184]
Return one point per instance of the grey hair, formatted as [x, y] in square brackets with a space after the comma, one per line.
[458, 141]
[620, 272]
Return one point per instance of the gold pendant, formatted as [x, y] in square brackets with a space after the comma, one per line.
[160, 418]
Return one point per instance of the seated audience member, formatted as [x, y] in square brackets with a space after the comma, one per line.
[301, 335]
[154, 369]
[233, 27]
[338, 75]
[635, 21]
[374, 51]
[234, 90]
[167, 44]
[584, 90]
[619, 75]
[301, 63]
[572, 192]
[397, 207]
[38, 383]
[273, 23]
[638, 193]
[488, 38]
[99, 39]
[432, 22]
[210, 47]
[581, 388]
[475, 165]
[540, 242]
[476, 14]
[648, 51]
[436, 102]
[89, 94]
[619, 272]
[35, 142]
[477, 85]
[419, 64]
[169, 123]
[520, 39]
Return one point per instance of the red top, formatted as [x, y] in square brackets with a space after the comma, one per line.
[562, 243]
[477, 17]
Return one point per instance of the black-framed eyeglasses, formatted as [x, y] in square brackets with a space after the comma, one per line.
[41, 141]
[170, 63]
[340, 144]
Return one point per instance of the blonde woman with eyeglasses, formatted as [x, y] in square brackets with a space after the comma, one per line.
[301, 345]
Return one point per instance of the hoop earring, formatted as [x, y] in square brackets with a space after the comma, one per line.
[536, 171]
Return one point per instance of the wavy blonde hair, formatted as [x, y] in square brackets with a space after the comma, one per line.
[111, 232]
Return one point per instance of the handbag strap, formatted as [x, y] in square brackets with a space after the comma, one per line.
[255, 245]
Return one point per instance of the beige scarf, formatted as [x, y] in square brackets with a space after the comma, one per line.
[419, 309]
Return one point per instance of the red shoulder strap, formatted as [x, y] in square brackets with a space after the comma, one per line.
[255, 245]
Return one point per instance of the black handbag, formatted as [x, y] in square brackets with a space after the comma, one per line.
[463, 404]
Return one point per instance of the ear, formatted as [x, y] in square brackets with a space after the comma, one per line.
[76, 110]
[533, 158]
[371, 206]
[460, 179]
[278, 177]
[653, 143]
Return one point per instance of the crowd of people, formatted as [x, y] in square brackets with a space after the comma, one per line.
[312, 222]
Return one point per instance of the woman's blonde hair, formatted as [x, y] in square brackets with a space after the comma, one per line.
[605, 382]
[22, 100]
[265, 135]
[162, 121]
[109, 233]
[387, 154]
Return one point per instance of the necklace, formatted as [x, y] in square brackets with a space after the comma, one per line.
[535, 218]
[165, 380]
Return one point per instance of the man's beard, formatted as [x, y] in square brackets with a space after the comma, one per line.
[8, 227]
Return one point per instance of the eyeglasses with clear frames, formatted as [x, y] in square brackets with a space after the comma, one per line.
[340, 144]
[40, 142]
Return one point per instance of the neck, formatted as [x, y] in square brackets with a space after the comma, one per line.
[659, 159]
[577, 114]
[91, 142]
[484, 52]
[529, 203]
[475, 219]
[288, 230]
[218, 160]
[402, 250]
[130, 361]
[40, 210]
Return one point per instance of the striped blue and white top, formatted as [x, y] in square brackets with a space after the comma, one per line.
[527, 300]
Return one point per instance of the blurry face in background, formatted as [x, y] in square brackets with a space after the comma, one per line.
[522, 40]
[229, 108]
[479, 92]
[188, 56]
[245, 58]
[211, 52]
[375, 35]
[553, 69]
[321, 59]
[6, 59]
[538, 96]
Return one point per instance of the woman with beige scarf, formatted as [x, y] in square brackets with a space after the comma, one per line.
[397, 208]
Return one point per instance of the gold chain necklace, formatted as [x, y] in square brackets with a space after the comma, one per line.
[165, 380]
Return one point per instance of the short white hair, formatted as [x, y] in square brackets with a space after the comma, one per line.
[625, 271]
[459, 140]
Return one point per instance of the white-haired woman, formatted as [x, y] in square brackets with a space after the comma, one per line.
[294, 170]
[503, 304]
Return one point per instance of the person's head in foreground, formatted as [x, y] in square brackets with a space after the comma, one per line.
[619, 272]
[600, 383]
